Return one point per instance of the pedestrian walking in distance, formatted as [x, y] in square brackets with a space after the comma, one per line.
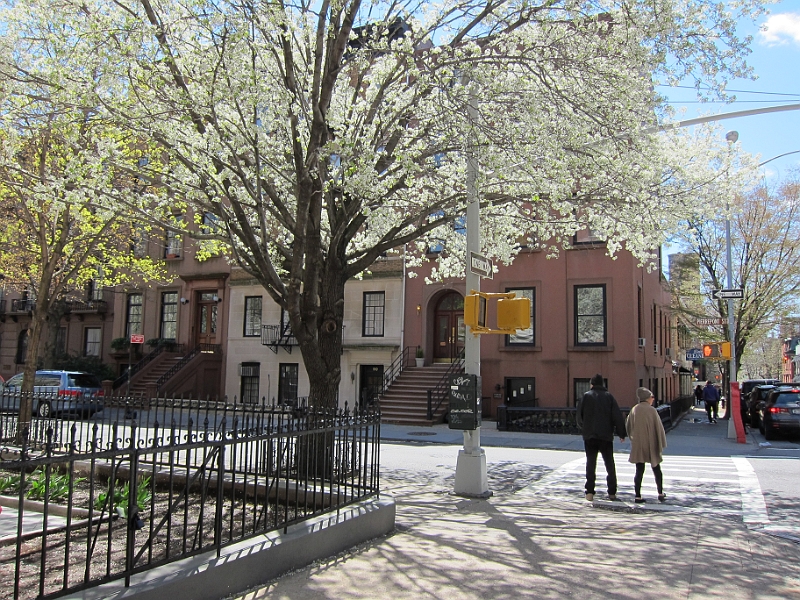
[698, 395]
[711, 398]
[648, 441]
[599, 418]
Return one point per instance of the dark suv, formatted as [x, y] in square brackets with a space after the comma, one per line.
[755, 402]
[781, 412]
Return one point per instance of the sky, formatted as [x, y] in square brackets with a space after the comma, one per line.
[775, 59]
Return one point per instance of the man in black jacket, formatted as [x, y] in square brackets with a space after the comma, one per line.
[599, 417]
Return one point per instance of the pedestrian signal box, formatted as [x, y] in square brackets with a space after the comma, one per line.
[717, 350]
[512, 313]
[475, 307]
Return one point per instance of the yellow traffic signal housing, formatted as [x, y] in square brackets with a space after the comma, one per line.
[513, 313]
[475, 311]
[717, 350]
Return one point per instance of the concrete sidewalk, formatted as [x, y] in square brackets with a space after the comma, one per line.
[520, 543]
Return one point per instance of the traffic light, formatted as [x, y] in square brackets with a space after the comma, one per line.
[475, 311]
[717, 350]
[514, 313]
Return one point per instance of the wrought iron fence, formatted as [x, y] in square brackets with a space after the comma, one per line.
[120, 496]
[564, 419]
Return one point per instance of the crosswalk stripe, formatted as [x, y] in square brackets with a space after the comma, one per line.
[754, 508]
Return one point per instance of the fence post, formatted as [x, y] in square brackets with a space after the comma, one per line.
[130, 530]
[430, 406]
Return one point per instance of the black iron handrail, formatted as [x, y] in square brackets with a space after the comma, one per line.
[398, 364]
[441, 391]
[134, 369]
[200, 348]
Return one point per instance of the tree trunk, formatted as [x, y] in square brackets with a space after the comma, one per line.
[50, 334]
[29, 372]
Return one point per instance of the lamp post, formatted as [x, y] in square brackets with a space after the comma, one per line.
[731, 137]
[471, 479]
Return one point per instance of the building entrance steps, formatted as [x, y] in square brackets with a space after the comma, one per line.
[406, 399]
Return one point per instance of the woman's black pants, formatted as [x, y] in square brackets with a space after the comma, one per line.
[637, 480]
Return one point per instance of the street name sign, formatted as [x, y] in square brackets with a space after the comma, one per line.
[480, 265]
[694, 354]
[709, 321]
[732, 293]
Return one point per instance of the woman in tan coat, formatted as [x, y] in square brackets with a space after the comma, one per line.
[648, 441]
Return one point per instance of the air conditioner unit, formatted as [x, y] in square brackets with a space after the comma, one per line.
[641, 342]
[668, 351]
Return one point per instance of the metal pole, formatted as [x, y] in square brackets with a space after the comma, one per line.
[731, 137]
[471, 479]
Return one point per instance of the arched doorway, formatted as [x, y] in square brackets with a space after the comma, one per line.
[449, 336]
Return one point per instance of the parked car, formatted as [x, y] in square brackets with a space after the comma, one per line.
[57, 392]
[748, 385]
[781, 412]
[755, 402]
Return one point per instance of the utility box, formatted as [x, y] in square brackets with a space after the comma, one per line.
[465, 402]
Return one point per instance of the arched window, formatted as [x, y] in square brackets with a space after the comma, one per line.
[22, 347]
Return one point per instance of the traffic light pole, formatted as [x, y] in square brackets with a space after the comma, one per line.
[471, 479]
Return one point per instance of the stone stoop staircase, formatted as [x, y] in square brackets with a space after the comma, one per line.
[405, 401]
[153, 374]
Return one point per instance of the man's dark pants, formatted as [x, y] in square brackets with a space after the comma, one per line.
[606, 450]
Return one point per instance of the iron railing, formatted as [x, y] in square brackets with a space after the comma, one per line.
[199, 349]
[400, 362]
[563, 420]
[273, 336]
[442, 389]
[120, 497]
[133, 370]
[22, 306]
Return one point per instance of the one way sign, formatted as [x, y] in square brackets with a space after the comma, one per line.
[733, 293]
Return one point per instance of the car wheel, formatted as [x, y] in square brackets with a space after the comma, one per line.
[770, 434]
[761, 427]
[755, 421]
[44, 410]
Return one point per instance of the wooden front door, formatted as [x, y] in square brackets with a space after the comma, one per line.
[207, 308]
[450, 328]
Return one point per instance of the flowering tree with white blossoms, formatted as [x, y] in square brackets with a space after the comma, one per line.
[323, 135]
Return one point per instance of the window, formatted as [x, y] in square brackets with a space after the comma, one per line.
[133, 315]
[91, 341]
[169, 315]
[250, 374]
[287, 383]
[61, 341]
[523, 337]
[139, 241]
[374, 305]
[590, 315]
[252, 316]
[22, 347]
[174, 241]
[581, 387]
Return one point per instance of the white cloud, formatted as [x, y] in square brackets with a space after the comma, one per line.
[781, 29]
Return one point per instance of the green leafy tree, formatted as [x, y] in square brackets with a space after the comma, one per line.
[65, 217]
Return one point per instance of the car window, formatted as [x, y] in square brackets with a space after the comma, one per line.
[84, 380]
[48, 380]
[16, 381]
[788, 399]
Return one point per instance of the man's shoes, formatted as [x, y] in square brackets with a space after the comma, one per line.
[589, 497]
[662, 497]
[612, 497]
[639, 500]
